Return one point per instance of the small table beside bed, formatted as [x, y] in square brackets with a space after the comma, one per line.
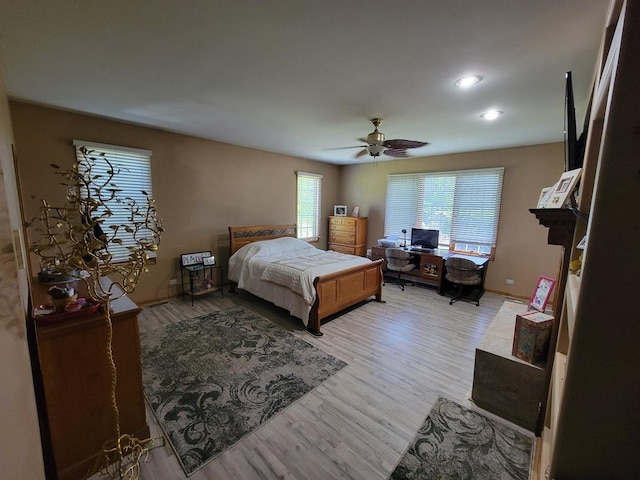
[270, 262]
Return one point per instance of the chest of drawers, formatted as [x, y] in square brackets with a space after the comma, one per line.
[348, 235]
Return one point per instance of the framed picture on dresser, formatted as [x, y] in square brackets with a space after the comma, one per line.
[339, 210]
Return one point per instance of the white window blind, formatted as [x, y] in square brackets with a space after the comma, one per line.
[463, 205]
[133, 178]
[308, 205]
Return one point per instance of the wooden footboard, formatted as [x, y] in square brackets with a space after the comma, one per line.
[334, 292]
[337, 291]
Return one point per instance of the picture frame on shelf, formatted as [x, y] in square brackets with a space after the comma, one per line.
[541, 294]
[339, 210]
[356, 211]
[582, 244]
[544, 196]
[563, 189]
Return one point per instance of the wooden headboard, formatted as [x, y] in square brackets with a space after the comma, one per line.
[240, 236]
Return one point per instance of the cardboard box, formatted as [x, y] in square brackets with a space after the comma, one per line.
[531, 336]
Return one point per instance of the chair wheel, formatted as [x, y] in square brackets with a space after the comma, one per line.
[451, 302]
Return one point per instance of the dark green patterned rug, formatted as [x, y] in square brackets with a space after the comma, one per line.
[214, 379]
[457, 443]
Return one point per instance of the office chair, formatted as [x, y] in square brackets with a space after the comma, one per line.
[399, 260]
[463, 273]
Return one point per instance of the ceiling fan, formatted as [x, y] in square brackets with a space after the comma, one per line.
[376, 144]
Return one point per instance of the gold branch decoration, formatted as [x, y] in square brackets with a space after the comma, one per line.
[71, 243]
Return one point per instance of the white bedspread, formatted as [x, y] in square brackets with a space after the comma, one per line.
[289, 263]
[297, 273]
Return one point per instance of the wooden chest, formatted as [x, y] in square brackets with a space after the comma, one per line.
[348, 235]
[504, 384]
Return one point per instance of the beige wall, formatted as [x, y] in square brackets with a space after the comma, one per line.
[201, 187]
[20, 450]
[522, 253]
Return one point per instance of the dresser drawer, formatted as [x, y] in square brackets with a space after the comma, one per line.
[342, 249]
[342, 221]
[342, 228]
[343, 237]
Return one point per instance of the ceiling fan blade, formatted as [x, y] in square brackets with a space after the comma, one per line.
[345, 148]
[400, 144]
[361, 153]
[363, 140]
[396, 152]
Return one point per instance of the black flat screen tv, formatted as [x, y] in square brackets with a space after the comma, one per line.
[571, 160]
[423, 238]
[574, 145]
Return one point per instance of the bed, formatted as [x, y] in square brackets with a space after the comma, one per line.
[264, 259]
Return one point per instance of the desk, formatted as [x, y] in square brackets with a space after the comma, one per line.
[431, 269]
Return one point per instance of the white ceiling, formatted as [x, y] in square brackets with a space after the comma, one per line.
[302, 77]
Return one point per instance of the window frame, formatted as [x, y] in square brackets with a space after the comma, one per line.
[130, 160]
[406, 203]
[308, 224]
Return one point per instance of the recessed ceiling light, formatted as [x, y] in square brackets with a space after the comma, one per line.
[491, 114]
[467, 81]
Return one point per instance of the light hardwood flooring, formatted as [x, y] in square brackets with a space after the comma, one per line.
[401, 356]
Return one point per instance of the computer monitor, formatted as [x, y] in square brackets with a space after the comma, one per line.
[423, 238]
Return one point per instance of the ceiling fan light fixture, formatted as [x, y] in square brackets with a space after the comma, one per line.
[491, 114]
[467, 81]
[375, 150]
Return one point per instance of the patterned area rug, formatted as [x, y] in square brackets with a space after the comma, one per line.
[214, 379]
[457, 443]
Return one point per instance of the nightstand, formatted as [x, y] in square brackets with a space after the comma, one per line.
[200, 275]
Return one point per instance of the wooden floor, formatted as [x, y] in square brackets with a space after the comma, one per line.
[401, 356]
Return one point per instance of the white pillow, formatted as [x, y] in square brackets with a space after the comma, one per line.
[282, 245]
[267, 248]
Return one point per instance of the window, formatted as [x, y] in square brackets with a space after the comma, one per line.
[133, 179]
[308, 218]
[463, 205]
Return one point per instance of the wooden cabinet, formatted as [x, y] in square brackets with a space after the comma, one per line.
[76, 381]
[431, 268]
[591, 416]
[348, 235]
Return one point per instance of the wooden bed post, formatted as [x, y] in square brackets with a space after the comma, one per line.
[313, 327]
